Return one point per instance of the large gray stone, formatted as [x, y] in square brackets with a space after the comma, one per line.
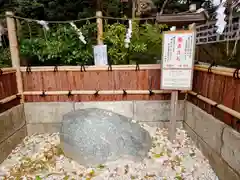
[93, 136]
[124, 108]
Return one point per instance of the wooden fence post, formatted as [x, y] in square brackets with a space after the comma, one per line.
[192, 26]
[99, 28]
[173, 116]
[13, 42]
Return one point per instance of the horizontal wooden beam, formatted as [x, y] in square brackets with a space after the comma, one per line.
[8, 99]
[201, 67]
[215, 104]
[7, 70]
[220, 70]
[91, 68]
[217, 68]
[92, 92]
[214, 71]
[182, 18]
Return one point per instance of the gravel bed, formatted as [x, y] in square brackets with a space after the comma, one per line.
[39, 157]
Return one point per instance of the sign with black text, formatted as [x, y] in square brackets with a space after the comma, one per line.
[177, 60]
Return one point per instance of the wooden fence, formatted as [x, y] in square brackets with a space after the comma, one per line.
[221, 86]
[216, 91]
[128, 82]
[8, 89]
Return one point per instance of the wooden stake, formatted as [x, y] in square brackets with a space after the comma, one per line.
[173, 116]
[138, 9]
[12, 35]
[133, 9]
[99, 27]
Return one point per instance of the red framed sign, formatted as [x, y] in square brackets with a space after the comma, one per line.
[177, 60]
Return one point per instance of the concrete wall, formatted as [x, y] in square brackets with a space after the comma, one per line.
[218, 142]
[12, 130]
[46, 117]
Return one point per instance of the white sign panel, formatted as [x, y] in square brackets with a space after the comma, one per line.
[100, 55]
[178, 60]
[176, 78]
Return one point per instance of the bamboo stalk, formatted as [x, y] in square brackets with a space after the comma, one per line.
[229, 111]
[8, 99]
[91, 68]
[92, 92]
[220, 106]
[215, 70]
[209, 101]
[7, 70]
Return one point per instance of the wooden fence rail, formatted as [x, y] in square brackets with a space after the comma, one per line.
[125, 77]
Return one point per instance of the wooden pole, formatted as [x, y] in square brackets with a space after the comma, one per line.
[133, 9]
[173, 116]
[99, 28]
[12, 35]
[138, 9]
[173, 112]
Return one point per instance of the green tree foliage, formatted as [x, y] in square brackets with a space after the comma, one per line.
[61, 45]
[145, 46]
[55, 9]
[5, 58]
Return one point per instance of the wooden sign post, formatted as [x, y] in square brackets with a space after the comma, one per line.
[99, 28]
[177, 68]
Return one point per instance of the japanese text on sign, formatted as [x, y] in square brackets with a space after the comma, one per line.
[177, 60]
[178, 50]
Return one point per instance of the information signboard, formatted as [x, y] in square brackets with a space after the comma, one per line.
[177, 60]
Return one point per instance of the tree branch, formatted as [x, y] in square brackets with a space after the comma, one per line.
[163, 6]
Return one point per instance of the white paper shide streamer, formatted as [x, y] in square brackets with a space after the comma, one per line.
[129, 34]
[44, 24]
[221, 23]
[80, 35]
[216, 2]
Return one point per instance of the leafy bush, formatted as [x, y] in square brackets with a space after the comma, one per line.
[5, 58]
[145, 46]
[61, 45]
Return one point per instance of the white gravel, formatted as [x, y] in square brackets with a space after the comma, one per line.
[39, 157]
